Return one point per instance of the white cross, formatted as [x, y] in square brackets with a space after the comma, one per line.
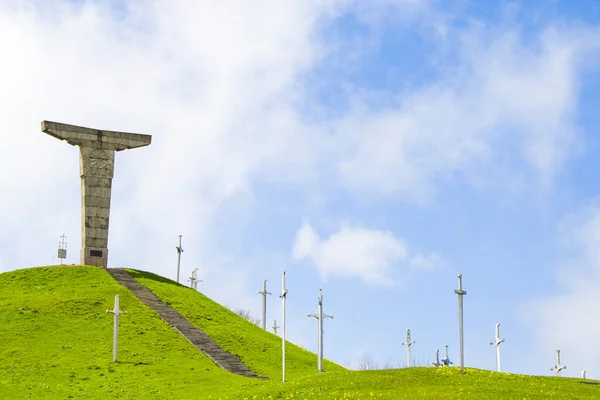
[116, 311]
[497, 342]
[408, 344]
[557, 367]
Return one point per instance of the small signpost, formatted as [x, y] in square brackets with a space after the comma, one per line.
[62, 249]
[264, 304]
[283, 296]
[460, 292]
[116, 311]
[557, 367]
[179, 251]
[497, 342]
[319, 316]
[408, 344]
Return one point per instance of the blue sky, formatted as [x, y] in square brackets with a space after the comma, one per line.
[373, 150]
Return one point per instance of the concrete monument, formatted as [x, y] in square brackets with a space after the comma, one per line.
[96, 167]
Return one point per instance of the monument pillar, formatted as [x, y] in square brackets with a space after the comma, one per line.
[96, 167]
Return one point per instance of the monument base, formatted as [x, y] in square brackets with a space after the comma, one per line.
[94, 256]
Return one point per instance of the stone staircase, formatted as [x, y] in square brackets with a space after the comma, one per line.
[197, 337]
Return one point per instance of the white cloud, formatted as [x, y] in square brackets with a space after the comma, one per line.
[351, 252]
[505, 95]
[218, 86]
[427, 261]
[212, 82]
[567, 321]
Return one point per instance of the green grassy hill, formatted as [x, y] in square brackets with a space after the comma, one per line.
[56, 343]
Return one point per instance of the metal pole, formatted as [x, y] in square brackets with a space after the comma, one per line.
[283, 296]
[264, 304]
[275, 326]
[179, 251]
[460, 292]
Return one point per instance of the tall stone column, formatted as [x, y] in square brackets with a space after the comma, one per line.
[96, 168]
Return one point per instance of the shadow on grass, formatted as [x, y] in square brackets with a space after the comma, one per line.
[135, 363]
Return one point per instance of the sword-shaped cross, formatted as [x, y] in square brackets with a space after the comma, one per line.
[460, 292]
[497, 342]
[557, 367]
[446, 359]
[179, 251]
[320, 316]
[116, 311]
[437, 358]
[275, 326]
[264, 304]
[194, 279]
[283, 296]
[408, 344]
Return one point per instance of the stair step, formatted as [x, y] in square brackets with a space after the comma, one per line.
[196, 336]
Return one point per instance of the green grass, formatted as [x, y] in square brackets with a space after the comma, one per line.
[56, 343]
[258, 349]
[424, 383]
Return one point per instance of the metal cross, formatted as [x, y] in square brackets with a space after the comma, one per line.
[460, 292]
[264, 304]
[275, 326]
[179, 251]
[557, 367]
[283, 296]
[583, 373]
[319, 316]
[194, 279]
[116, 311]
[446, 359]
[497, 342]
[437, 358]
[408, 344]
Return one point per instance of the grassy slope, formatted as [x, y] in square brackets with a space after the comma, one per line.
[258, 349]
[56, 342]
[423, 383]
